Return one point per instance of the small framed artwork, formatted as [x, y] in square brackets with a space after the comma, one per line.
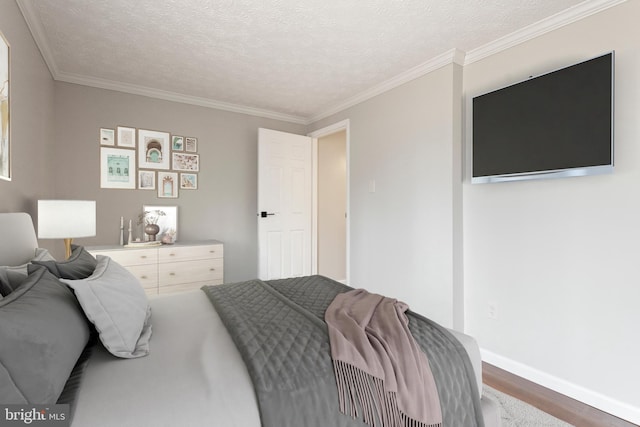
[5, 114]
[167, 184]
[186, 162]
[166, 217]
[126, 137]
[191, 144]
[107, 136]
[153, 149]
[117, 168]
[188, 181]
[177, 143]
[146, 180]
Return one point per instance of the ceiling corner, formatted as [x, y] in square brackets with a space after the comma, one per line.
[37, 32]
[449, 57]
[566, 17]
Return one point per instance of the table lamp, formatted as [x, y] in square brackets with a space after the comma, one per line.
[66, 219]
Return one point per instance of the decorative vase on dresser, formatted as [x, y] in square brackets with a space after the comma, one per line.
[151, 230]
[171, 268]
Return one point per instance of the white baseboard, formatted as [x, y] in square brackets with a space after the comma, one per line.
[584, 395]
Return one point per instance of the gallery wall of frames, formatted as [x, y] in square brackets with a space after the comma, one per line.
[143, 159]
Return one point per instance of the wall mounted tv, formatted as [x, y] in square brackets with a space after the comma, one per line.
[554, 125]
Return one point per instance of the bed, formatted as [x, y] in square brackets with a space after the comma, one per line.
[194, 372]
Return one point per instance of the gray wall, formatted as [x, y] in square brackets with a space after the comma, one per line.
[32, 129]
[403, 237]
[223, 207]
[559, 257]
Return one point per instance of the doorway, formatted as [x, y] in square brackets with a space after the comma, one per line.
[286, 194]
[331, 197]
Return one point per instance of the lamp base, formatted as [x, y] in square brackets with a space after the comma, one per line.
[67, 248]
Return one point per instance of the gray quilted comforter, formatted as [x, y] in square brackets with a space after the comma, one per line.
[279, 329]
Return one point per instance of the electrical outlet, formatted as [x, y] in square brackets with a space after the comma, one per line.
[492, 310]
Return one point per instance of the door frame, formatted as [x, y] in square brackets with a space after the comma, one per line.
[315, 135]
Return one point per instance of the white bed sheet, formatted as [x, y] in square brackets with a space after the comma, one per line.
[193, 376]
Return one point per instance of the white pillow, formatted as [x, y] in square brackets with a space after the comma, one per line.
[115, 302]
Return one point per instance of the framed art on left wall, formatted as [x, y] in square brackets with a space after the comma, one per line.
[117, 168]
[5, 145]
[154, 149]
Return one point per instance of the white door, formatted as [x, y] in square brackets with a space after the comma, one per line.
[284, 204]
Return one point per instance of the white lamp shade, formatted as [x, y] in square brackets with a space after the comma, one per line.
[66, 219]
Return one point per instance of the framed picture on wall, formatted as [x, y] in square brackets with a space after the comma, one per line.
[126, 137]
[107, 136]
[186, 162]
[177, 143]
[168, 184]
[117, 168]
[188, 181]
[146, 180]
[191, 144]
[5, 146]
[154, 149]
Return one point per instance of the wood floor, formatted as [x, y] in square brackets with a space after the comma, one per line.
[556, 404]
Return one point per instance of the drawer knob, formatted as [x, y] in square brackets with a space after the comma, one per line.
[143, 277]
[172, 254]
[212, 269]
[143, 256]
[212, 252]
[172, 274]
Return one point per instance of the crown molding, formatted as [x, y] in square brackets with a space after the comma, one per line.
[35, 26]
[560, 19]
[37, 32]
[453, 56]
[176, 97]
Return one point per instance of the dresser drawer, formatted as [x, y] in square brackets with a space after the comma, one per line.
[146, 274]
[174, 273]
[127, 257]
[189, 253]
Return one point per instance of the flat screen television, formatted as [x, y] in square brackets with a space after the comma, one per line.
[554, 125]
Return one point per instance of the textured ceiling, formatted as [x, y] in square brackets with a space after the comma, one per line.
[294, 58]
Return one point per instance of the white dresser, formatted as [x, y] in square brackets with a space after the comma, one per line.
[170, 268]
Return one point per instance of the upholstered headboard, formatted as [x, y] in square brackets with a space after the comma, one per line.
[18, 237]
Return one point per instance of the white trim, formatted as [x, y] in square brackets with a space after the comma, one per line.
[314, 204]
[315, 135]
[597, 400]
[452, 56]
[175, 97]
[553, 22]
[568, 16]
[328, 130]
[35, 26]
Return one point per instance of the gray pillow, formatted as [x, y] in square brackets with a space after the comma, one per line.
[114, 301]
[80, 265]
[12, 276]
[43, 332]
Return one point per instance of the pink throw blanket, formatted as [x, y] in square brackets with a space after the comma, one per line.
[378, 363]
